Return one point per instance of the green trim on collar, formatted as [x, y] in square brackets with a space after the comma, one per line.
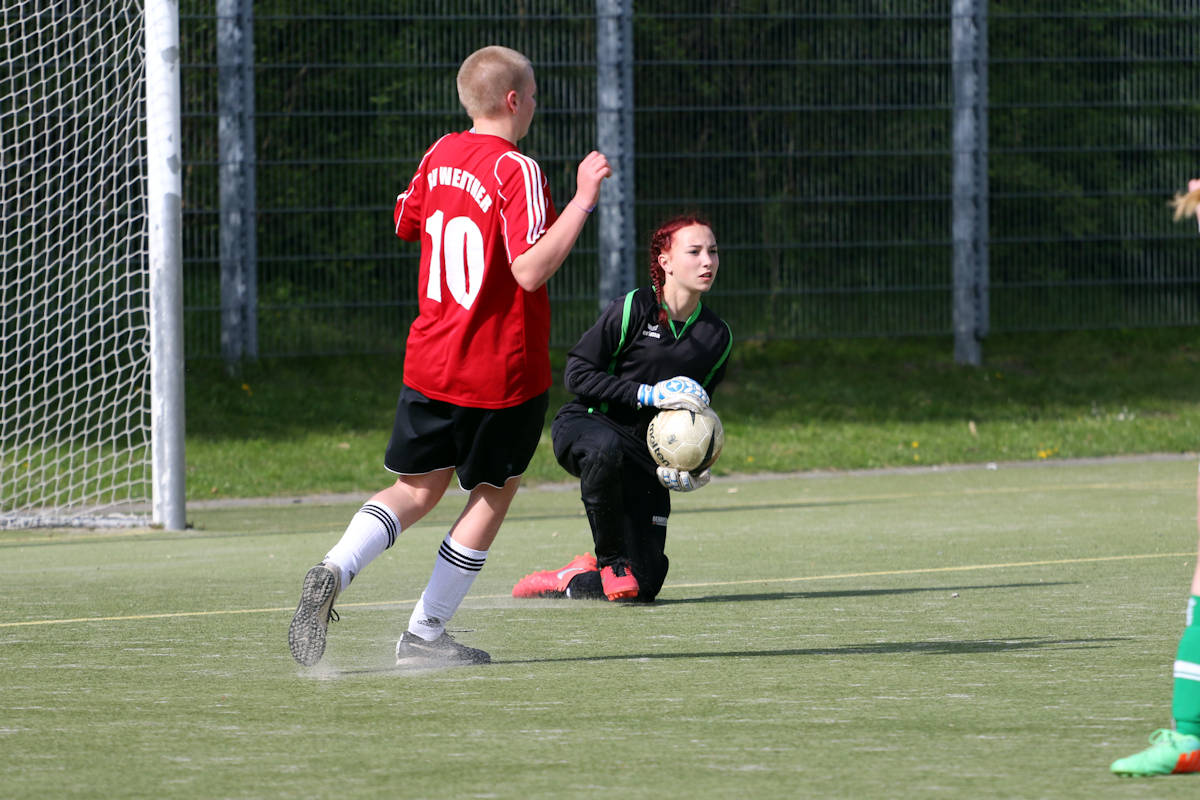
[695, 315]
[720, 360]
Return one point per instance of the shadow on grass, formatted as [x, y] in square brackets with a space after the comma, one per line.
[939, 648]
[776, 596]
[926, 647]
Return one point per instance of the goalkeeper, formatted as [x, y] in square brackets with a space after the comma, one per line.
[658, 347]
[1177, 751]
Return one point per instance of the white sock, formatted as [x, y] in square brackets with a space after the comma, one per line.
[453, 573]
[372, 529]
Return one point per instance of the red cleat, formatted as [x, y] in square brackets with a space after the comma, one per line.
[618, 581]
[553, 582]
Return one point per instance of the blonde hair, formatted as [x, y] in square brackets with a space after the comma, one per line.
[487, 76]
[1185, 204]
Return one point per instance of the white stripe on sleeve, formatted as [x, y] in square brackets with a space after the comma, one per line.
[1187, 670]
[535, 196]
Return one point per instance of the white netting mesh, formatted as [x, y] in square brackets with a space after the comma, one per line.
[74, 359]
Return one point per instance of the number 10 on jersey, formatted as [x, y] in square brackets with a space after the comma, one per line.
[457, 249]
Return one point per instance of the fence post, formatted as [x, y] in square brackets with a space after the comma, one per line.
[614, 138]
[235, 135]
[164, 205]
[968, 34]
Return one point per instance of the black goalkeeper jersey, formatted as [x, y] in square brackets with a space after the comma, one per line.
[628, 346]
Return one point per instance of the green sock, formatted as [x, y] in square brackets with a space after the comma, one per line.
[1185, 704]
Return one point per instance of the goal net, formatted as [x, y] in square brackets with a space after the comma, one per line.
[74, 327]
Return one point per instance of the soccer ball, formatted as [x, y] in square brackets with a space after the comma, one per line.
[685, 440]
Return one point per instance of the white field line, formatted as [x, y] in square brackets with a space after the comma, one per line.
[707, 584]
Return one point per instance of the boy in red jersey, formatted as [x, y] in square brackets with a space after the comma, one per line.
[477, 364]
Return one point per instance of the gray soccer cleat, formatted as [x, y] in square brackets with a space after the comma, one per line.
[306, 635]
[413, 651]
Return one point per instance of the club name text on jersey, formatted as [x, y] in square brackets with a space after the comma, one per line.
[461, 179]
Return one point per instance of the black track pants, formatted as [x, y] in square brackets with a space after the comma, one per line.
[626, 506]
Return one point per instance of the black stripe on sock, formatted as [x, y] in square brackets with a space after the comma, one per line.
[459, 560]
[385, 519]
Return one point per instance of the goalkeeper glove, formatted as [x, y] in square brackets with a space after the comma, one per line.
[678, 480]
[677, 392]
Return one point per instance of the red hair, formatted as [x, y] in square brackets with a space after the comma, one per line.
[660, 242]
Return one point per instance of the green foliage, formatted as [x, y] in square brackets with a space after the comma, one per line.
[319, 425]
[817, 137]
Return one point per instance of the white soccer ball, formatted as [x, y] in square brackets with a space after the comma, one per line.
[685, 440]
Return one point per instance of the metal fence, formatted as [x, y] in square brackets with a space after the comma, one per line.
[820, 142]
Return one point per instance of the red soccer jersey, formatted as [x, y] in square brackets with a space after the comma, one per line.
[479, 339]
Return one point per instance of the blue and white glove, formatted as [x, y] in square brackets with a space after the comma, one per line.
[678, 480]
[677, 392]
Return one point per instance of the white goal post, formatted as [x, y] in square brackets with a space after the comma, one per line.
[91, 346]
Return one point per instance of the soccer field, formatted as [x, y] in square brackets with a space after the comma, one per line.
[958, 633]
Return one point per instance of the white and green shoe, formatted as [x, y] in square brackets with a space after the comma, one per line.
[1169, 753]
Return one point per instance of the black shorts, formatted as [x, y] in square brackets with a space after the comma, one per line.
[484, 445]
